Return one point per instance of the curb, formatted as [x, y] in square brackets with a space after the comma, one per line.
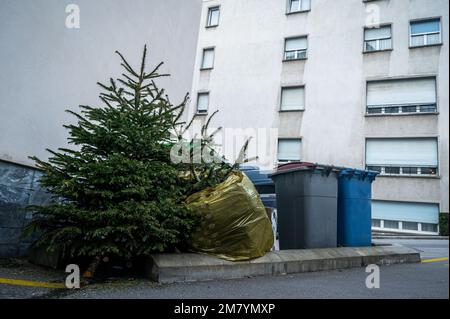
[172, 268]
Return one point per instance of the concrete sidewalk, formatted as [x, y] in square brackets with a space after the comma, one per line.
[411, 237]
[169, 268]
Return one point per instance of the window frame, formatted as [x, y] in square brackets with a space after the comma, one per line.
[283, 161]
[202, 68]
[410, 223]
[288, 7]
[296, 86]
[296, 37]
[391, 25]
[441, 38]
[208, 16]
[402, 167]
[402, 106]
[401, 229]
[427, 231]
[392, 221]
[205, 112]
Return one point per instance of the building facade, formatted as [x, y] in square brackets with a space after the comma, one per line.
[345, 82]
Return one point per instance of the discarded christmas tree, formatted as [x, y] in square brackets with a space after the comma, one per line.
[198, 159]
[118, 192]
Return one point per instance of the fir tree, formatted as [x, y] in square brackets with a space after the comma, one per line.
[210, 168]
[117, 193]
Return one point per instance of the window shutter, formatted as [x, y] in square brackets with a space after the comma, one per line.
[289, 149]
[208, 58]
[292, 98]
[429, 26]
[296, 44]
[203, 102]
[401, 92]
[404, 211]
[407, 152]
[377, 33]
[305, 5]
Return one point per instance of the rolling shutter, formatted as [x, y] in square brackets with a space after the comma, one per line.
[401, 92]
[407, 152]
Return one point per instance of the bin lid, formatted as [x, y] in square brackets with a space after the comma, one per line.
[305, 167]
[358, 173]
[249, 168]
[263, 179]
[291, 165]
[258, 177]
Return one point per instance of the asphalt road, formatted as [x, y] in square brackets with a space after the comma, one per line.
[422, 280]
[427, 248]
[396, 281]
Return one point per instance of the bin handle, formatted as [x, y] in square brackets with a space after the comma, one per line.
[327, 170]
[365, 175]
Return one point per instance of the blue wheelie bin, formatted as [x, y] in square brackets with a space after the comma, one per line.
[354, 216]
[263, 184]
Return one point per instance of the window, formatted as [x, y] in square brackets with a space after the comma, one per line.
[213, 17]
[375, 168]
[392, 224]
[377, 39]
[425, 32]
[292, 98]
[295, 48]
[289, 150]
[402, 156]
[298, 6]
[376, 223]
[405, 96]
[208, 59]
[391, 170]
[410, 226]
[409, 170]
[414, 217]
[202, 103]
[428, 170]
[432, 228]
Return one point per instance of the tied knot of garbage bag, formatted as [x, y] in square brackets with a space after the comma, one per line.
[233, 221]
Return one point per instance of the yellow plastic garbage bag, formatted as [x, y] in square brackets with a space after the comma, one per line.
[233, 221]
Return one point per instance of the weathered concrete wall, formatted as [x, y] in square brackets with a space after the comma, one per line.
[47, 68]
[19, 187]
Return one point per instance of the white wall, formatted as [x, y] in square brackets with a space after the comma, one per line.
[245, 84]
[46, 68]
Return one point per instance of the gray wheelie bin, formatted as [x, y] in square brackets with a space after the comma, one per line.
[307, 205]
